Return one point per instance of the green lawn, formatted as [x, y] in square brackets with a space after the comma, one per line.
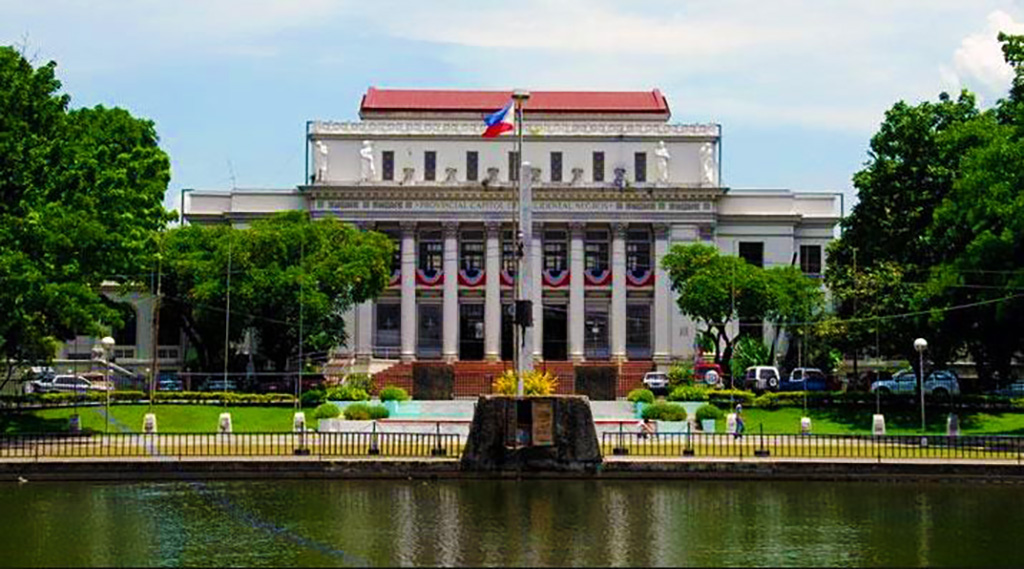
[169, 418]
[847, 421]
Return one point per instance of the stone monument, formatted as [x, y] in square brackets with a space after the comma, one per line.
[708, 176]
[321, 161]
[662, 155]
[532, 434]
[367, 171]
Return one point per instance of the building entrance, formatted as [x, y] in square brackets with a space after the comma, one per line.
[556, 333]
[471, 332]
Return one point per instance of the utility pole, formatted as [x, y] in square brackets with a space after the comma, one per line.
[156, 330]
[855, 285]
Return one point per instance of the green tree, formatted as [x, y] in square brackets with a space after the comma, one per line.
[714, 289]
[277, 265]
[80, 199]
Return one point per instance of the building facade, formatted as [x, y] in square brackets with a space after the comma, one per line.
[615, 185]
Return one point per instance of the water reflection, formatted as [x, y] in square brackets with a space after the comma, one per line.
[555, 523]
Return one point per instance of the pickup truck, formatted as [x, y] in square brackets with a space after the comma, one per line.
[904, 382]
[803, 379]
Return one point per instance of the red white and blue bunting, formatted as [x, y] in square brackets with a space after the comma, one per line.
[596, 277]
[507, 279]
[396, 278]
[639, 277]
[429, 277]
[472, 277]
[556, 278]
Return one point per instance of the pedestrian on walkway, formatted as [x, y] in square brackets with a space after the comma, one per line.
[739, 421]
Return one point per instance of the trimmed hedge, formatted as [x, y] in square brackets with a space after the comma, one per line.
[708, 411]
[688, 393]
[365, 412]
[348, 393]
[730, 396]
[326, 411]
[313, 397]
[640, 396]
[662, 411]
[394, 393]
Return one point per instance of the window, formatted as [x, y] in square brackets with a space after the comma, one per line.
[125, 335]
[638, 330]
[556, 251]
[472, 166]
[513, 166]
[640, 166]
[170, 326]
[752, 252]
[430, 165]
[638, 250]
[396, 251]
[595, 251]
[472, 253]
[810, 259]
[595, 328]
[598, 166]
[556, 166]
[508, 253]
[388, 165]
[431, 251]
[389, 325]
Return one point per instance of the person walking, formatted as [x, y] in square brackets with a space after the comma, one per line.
[739, 421]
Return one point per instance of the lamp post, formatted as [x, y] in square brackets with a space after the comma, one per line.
[921, 345]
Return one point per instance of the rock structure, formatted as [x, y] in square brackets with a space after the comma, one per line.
[504, 438]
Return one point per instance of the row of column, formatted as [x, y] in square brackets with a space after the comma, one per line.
[660, 323]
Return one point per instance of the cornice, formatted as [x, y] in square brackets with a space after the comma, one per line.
[539, 129]
[477, 193]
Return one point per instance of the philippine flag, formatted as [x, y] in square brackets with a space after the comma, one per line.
[499, 122]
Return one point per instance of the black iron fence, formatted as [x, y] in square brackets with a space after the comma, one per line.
[813, 446]
[182, 445]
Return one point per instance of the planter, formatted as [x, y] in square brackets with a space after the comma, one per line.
[707, 425]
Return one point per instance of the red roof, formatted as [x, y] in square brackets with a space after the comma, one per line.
[384, 100]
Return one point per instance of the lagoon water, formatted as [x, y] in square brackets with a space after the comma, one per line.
[552, 523]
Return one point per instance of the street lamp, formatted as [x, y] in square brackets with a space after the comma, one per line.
[921, 345]
[108, 346]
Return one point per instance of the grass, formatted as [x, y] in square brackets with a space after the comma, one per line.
[169, 419]
[857, 421]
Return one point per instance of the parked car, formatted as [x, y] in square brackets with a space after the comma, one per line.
[656, 381]
[761, 378]
[218, 384]
[904, 382]
[708, 374]
[1015, 390]
[804, 379]
[66, 384]
[169, 384]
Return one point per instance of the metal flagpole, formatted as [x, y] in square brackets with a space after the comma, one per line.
[227, 323]
[521, 354]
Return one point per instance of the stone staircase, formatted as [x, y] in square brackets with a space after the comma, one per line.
[399, 375]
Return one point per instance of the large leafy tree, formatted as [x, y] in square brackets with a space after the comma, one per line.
[715, 289]
[277, 265]
[80, 200]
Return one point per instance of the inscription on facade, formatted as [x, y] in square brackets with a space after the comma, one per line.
[503, 206]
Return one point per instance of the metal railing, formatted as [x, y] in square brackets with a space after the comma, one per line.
[882, 447]
[181, 445]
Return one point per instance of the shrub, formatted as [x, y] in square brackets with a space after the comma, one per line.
[313, 397]
[688, 393]
[394, 393]
[748, 352]
[365, 412]
[347, 393]
[727, 396]
[708, 411]
[680, 375]
[640, 396]
[662, 411]
[535, 382]
[767, 401]
[359, 381]
[326, 411]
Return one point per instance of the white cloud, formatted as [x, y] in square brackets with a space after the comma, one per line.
[979, 59]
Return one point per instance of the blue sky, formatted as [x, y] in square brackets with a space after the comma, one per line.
[798, 85]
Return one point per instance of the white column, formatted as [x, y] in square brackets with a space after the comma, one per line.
[408, 291]
[537, 289]
[364, 331]
[492, 291]
[618, 308]
[576, 293]
[662, 325]
[351, 333]
[450, 322]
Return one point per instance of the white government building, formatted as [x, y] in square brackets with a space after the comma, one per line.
[615, 185]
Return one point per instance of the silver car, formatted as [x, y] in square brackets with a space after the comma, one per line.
[66, 384]
[656, 381]
[904, 382]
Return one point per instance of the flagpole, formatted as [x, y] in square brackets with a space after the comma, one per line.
[519, 345]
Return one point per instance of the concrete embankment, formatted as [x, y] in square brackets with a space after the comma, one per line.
[144, 468]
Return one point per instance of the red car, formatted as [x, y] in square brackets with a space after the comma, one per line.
[708, 374]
